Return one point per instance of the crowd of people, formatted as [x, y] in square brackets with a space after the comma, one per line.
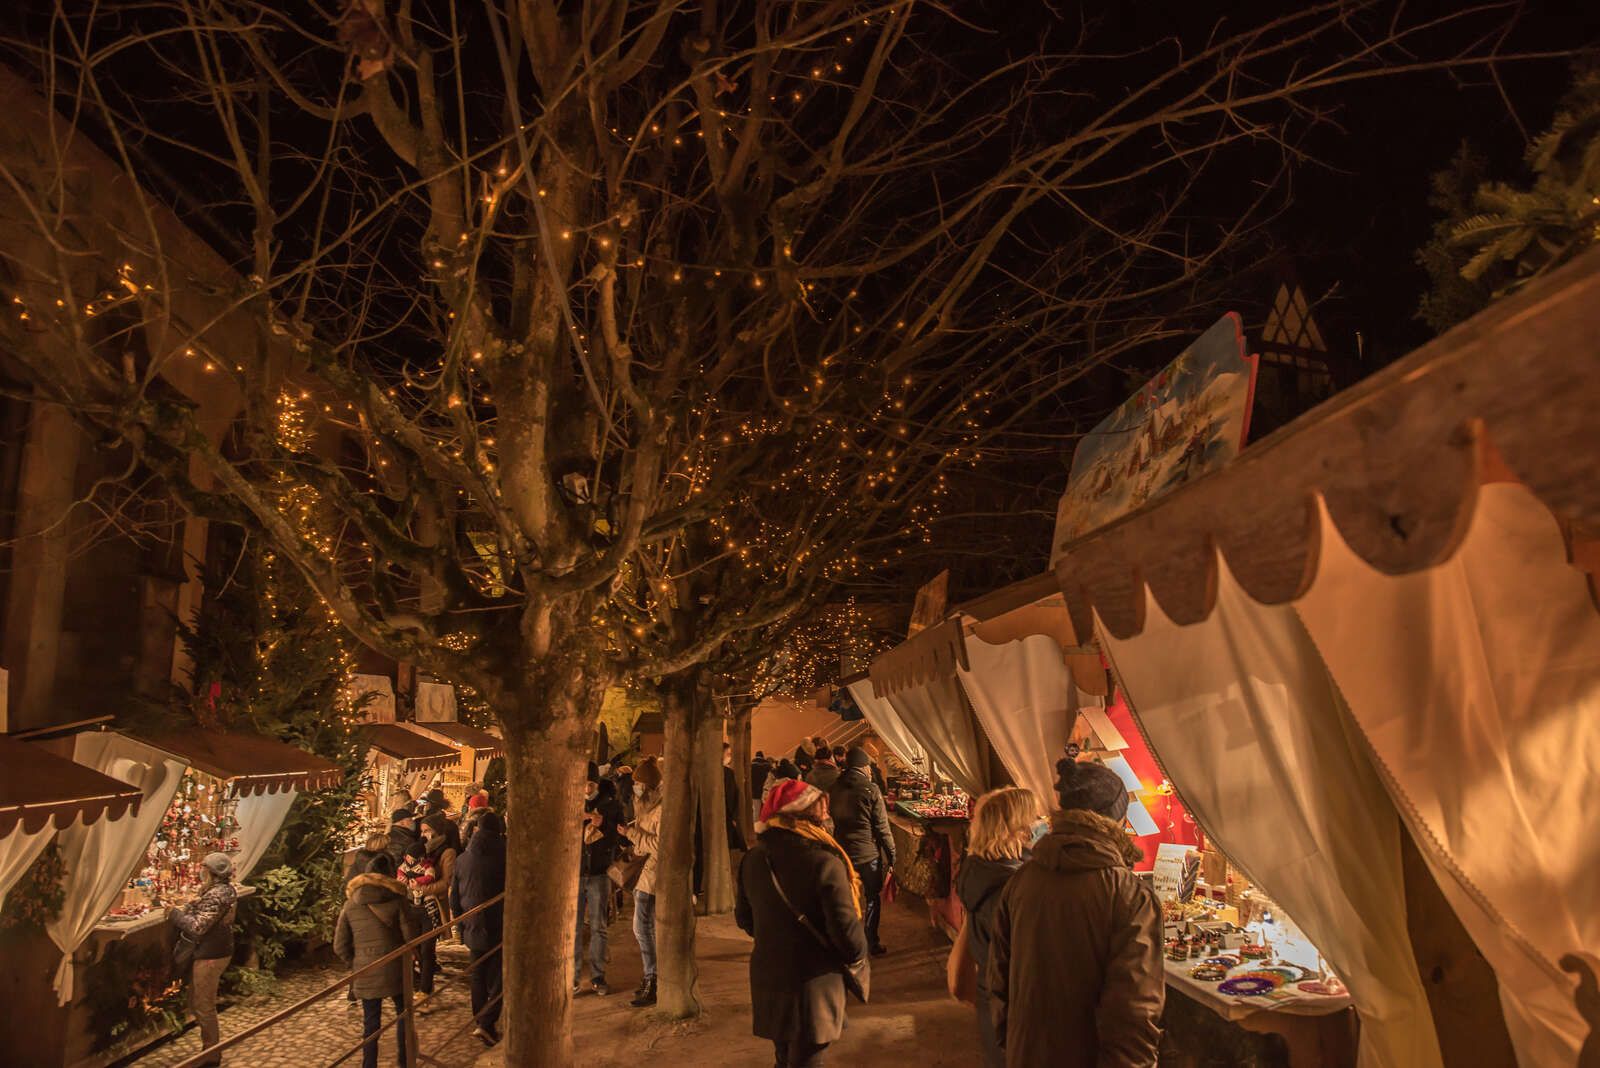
[429, 867]
[1060, 951]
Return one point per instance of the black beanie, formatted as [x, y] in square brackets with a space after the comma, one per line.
[1091, 786]
[786, 770]
[857, 758]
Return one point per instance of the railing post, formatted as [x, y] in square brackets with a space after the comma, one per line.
[408, 1016]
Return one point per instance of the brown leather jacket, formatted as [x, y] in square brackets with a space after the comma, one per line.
[1075, 973]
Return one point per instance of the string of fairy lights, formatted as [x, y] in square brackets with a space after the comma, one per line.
[839, 444]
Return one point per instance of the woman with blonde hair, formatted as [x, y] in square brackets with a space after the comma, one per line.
[1005, 825]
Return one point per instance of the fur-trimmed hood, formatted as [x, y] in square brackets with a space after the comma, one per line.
[377, 887]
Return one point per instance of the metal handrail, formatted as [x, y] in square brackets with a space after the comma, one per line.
[407, 1013]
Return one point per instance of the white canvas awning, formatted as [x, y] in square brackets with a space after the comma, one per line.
[1430, 536]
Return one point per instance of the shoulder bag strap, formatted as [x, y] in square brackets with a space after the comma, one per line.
[799, 916]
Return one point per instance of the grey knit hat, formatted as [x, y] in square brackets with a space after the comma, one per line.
[1091, 786]
[219, 865]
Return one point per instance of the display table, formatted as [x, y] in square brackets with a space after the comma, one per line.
[116, 928]
[1320, 1031]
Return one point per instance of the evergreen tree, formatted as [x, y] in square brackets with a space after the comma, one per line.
[269, 659]
[1494, 237]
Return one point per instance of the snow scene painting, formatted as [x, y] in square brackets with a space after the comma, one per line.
[1189, 419]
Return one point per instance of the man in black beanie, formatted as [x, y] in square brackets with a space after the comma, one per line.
[1075, 975]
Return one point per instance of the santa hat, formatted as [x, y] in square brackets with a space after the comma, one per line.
[788, 797]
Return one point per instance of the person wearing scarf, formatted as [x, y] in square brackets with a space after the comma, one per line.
[797, 991]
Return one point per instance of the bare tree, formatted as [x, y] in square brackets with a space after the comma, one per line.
[627, 327]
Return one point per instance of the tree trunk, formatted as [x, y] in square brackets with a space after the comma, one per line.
[676, 972]
[710, 789]
[544, 772]
[741, 771]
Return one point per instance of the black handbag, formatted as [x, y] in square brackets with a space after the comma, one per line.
[857, 974]
[183, 952]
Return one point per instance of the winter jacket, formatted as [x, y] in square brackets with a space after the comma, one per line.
[860, 818]
[208, 921]
[645, 834]
[403, 842]
[796, 987]
[596, 858]
[978, 887]
[376, 920]
[480, 875]
[823, 776]
[1075, 973]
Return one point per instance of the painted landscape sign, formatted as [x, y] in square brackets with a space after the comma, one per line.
[1189, 419]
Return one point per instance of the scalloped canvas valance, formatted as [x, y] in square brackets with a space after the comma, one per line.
[1397, 460]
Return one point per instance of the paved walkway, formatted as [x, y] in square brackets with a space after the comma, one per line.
[333, 1025]
[911, 1021]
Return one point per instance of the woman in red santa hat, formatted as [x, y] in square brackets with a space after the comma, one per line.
[801, 900]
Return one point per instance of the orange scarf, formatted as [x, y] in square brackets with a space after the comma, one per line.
[814, 831]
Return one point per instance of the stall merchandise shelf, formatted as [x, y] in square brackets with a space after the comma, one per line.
[1289, 1001]
[114, 930]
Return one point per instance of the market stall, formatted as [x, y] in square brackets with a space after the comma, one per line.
[474, 747]
[1385, 612]
[42, 793]
[400, 761]
[232, 798]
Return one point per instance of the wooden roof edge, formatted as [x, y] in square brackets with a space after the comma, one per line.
[1009, 598]
[1396, 461]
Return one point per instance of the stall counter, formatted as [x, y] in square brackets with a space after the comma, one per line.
[943, 840]
[113, 928]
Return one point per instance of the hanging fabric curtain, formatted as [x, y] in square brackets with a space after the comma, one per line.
[1242, 714]
[260, 816]
[1026, 703]
[887, 722]
[939, 717]
[18, 851]
[100, 858]
[1478, 684]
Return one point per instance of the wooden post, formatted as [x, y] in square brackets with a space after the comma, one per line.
[408, 1017]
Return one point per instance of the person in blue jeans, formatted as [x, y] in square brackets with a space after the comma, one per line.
[602, 822]
[645, 834]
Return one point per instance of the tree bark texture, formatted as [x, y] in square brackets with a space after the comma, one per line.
[716, 895]
[544, 772]
[739, 733]
[676, 972]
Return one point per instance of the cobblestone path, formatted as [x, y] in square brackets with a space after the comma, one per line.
[325, 1030]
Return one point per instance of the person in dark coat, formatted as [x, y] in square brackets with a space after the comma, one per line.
[439, 805]
[1005, 825]
[797, 988]
[1075, 973]
[824, 773]
[760, 768]
[861, 827]
[802, 760]
[602, 818]
[480, 876]
[207, 921]
[376, 920]
[404, 840]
